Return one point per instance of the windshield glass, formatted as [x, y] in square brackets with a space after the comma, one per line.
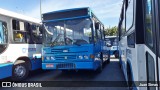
[3, 33]
[3, 36]
[112, 41]
[69, 32]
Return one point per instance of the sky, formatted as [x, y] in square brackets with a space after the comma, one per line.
[108, 11]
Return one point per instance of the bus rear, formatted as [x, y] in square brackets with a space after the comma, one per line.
[112, 41]
[69, 42]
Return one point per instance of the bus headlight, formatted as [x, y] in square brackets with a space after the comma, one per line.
[86, 57]
[52, 58]
[80, 57]
[47, 58]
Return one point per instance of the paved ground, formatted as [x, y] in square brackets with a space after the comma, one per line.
[111, 72]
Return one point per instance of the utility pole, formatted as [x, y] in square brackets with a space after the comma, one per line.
[40, 9]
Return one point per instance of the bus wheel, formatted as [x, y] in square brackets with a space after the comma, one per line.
[109, 58]
[116, 54]
[20, 70]
[100, 68]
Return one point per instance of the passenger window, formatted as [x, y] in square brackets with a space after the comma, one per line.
[148, 24]
[123, 26]
[129, 15]
[19, 32]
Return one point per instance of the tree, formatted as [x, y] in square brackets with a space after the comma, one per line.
[111, 31]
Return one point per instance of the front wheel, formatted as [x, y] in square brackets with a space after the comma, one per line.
[100, 68]
[20, 71]
[116, 54]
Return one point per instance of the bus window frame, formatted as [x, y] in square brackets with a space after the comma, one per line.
[152, 27]
[24, 31]
[34, 38]
[133, 19]
[123, 19]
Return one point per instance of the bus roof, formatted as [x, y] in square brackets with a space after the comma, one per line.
[89, 10]
[18, 16]
[64, 10]
[110, 36]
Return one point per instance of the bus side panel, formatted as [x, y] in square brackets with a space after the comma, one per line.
[5, 70]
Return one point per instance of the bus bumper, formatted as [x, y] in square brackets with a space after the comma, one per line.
[5, 70]
[70, 65]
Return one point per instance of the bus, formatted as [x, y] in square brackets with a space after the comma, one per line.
[139, 46]
[20, 45]
[113, 42]
[73, 39]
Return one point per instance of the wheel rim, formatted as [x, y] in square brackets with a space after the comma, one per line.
[20, 71]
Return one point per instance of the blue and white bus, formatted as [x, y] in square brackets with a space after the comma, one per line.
[73, 39]
[139, 43]
[112, 41]
[20, 45]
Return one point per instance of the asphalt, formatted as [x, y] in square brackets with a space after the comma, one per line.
[110, 76]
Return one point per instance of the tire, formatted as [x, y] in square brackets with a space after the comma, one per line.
[116, 54]
[108, 61]
[100, 68]
[20, 70]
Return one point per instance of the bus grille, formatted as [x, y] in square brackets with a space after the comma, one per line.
[66, 65]
[66, 57]
[56, 51]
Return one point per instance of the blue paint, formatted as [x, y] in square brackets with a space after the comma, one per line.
[5, 70]
[74, 58]
[67, 10]
[36, 63]
[78, 65]
[66, 19]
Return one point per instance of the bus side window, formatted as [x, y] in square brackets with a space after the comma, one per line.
[19, 32]
[97, 27]
[102, 32]
[149, 24]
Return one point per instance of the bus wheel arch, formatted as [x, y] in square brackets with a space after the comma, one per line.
[27, 61]
[21, 69]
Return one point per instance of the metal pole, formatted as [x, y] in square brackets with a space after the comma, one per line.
[40, 10]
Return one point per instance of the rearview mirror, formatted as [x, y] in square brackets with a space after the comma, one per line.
[108, 45]
[97, 26]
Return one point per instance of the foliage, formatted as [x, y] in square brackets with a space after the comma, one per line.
[111, 31]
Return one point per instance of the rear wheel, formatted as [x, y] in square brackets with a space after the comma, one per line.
[20, 70]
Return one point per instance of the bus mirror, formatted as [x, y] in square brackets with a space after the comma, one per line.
[97, 26]
[108, 45]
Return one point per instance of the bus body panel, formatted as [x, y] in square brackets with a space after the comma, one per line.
[6, 70]
[70, 65]
[71, 57]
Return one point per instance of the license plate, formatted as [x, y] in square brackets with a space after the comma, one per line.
[49, 66]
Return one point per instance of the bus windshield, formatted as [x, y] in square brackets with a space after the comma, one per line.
[3, 32]
[68, 32]
[112, 41]
[3, 36]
